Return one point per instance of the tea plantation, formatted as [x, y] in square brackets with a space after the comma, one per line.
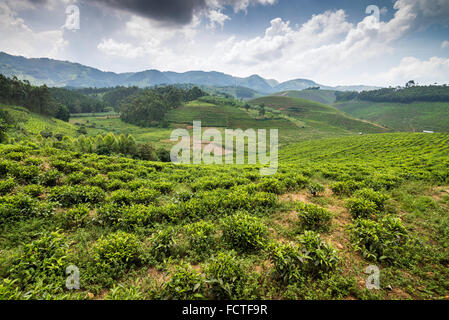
[147, 230]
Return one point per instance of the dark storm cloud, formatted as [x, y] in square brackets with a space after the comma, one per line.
[173, 11]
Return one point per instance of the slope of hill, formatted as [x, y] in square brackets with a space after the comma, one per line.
[318, 115]
[26, 122]
[66, 74]
[416, 116]
[117, 219]
[321, 96]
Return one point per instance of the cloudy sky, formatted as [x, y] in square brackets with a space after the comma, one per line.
[334, 42]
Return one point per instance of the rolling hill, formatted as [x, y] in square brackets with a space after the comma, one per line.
[67, 74]
[321, 96]
[317, 115]
[415, 117]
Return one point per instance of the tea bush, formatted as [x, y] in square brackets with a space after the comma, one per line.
[50, 178]
[315, 189]
[164, 244]
[201, 238]
[77, 216]
[379, 240]
[226, 277]
[272, 185]
[6, 186]
[378, 198]
[311, 257]
[346, 188]
[361, 208]
[245, 232]
[33, 190]
[127, 197]
[184, 284]
[116, 251]
[17, 207]
[70, 195]
[313, 217]
[42, 261]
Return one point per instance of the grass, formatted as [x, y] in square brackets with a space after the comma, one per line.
[321, 96]
[32, 123]
[415, 117]
[318, 116]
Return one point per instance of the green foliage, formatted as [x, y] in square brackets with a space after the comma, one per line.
[201, 238]
[68, 196]
[41, 261]
[116, 251]
[345, 188]
[164, 244]
[361, 208]
[311, 257]
[315, 189]
[381, 240]
[313, 217]
[245, 232]
[226, 276]
[139, 196]
[184, 284]
[77, 216]
[366, 203]
[7, 186]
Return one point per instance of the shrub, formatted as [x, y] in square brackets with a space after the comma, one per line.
[72, 195]
[43, 260]
[272, 185]
[17, 207]
[312, 257]
[116, 251]
[313, 217]
[226, 276]
[295, 182]
[24, 174]
[33, 190]
[140, 196]
[164, 244]
[378, 198]
[77, 216]
[7, 185]
[361, 208]
[245, 232]
[50, 178]
[381, 240]
[315, 189]
[184, 284]
[346, 188]
[201, 238]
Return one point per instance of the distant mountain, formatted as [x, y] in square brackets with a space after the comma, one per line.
[57, 73]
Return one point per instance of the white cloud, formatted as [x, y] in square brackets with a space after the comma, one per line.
[121, 49]
[445, 44]
[424, 72]
[16, 37]
[216, 17]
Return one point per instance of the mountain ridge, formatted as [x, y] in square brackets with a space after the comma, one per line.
[59, 73]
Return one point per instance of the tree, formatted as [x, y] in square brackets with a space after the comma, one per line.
[262, 110]
[62, 113]
[247, 106]
[3, 129]
[146, 151]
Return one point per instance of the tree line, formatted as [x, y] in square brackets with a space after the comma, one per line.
[147, 108]
[34, 98]
[410, 93]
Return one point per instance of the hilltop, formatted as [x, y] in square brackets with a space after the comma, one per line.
[317, 116]
[57, 73]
